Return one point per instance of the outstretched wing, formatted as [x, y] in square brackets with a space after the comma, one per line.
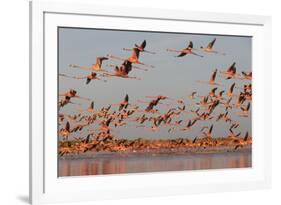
[126, 99]
[181, 54]
[211, 129]
[246, 136]
[213, 77]
[232, 68]
[100, 59]
[211, 44]
[143, 44]
[190, 46]
[232, 87]
[88, 80]
[67, 126]
[92, 105]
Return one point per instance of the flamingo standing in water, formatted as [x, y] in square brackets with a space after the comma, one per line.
[185, 51]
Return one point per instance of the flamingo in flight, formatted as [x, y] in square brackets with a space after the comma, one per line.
[140, 47]
[192, 96]
[212, 79]
[246, 76]
[122, 71]
[95, 67]
[72, 94]
[209, 48]
[90, 109]
[89, 78]
[134, 58]
[65, 101]
[209, 133]
[185, 51]
[230, 72]
[65, 132]
[243, 141]
[124, 104]
[189, 125]
[245, 111]
[230, 91]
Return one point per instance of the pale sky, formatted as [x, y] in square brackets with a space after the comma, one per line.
[173, 77]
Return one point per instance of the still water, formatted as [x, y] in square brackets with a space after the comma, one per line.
[135, 163]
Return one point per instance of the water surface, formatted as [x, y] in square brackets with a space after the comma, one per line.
[116, 163]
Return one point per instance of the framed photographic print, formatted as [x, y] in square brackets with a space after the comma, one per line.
[147, 102]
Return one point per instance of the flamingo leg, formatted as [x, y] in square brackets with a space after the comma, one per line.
[149, 52]
[127, 49]
[115, 57]
[150, 66]
[174, 50]
[144, 69]
[80, 67]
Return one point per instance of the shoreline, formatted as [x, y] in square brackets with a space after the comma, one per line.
[156, 152]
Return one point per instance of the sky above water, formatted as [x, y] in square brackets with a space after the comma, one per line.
[171, 76]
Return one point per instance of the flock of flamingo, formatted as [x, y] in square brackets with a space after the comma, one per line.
[99, 124]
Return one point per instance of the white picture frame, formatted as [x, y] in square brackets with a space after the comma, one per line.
[46, 187]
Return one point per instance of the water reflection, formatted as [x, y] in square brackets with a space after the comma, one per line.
[135, 163]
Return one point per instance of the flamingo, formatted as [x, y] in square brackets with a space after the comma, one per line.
[65, 101]
[227, 104]
[209, 48]
[95, 67]
[185, 51]
[65, 132]
[224, 116]
[124, 104]
[72, 94]
[245, 111]
[140, 47]
[192, 96]
[90, 109]
[122, 71]
[134, 58]
[189, 125]
[246, 76]
[209, 133]
[230, 72]
[230, 91]
[212, 79]
[89, 78]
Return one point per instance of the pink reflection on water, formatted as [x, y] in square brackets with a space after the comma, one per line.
[132, 163]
